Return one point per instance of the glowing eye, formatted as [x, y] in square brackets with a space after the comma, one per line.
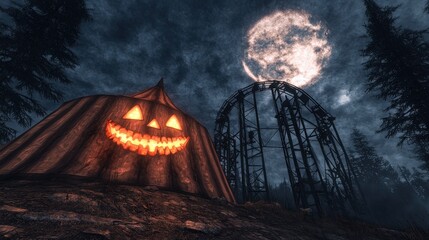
[173, 122]
[134, 114]
[154, 124]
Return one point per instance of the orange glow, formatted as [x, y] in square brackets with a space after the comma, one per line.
[173, 122]
[135, 113]
[144, 144]
[154, 124]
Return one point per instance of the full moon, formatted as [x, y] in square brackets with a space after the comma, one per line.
[287, 46]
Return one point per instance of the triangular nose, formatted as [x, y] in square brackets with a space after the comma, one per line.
[154, 124]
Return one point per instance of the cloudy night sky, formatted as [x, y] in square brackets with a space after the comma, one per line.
[198, 48]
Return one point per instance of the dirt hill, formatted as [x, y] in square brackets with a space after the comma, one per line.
[76, 210]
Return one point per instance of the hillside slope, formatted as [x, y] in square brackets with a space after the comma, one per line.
[76, 210]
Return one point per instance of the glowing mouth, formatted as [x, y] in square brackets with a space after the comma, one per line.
[144, 144]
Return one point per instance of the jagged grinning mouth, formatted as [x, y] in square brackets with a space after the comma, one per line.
[144, 144]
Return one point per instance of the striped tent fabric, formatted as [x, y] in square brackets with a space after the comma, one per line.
[72, 142]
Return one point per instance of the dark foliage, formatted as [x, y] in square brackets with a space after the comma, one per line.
[282, 194]
[35, 43]
[421, 150]
[393, 197]
[417, 181]
[392, 200]
[369, 166]
[398, 71]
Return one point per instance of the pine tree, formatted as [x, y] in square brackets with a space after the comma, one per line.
[421, 183]
[384, 191]
[417, 180]
[35, 51]
[368, 166]
[422, 153]
[398, 71]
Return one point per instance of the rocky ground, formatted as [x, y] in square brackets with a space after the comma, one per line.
[58, 210]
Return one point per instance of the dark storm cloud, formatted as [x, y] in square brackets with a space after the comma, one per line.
[197, 47]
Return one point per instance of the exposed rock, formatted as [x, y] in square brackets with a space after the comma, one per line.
[12, 209]
[8, 231]
[202, 227]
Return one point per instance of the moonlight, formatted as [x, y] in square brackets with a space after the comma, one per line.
[286, 46]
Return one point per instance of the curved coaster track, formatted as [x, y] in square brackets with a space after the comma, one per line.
[276, 124]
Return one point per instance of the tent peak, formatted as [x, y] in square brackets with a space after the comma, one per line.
[156, 94]
[161, 83]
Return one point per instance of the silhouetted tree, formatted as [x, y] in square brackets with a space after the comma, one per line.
[417, 181]
[282, 194]
[421, 184]
[427, 7]
[35, 43]
[421, 151]
[398, 70]
[368, 166]
[391, 200]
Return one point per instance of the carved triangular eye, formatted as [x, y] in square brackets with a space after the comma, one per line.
[134, 114]
[153, 124]
[173, 122]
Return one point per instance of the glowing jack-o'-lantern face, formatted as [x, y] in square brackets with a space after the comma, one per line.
[146, 144]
